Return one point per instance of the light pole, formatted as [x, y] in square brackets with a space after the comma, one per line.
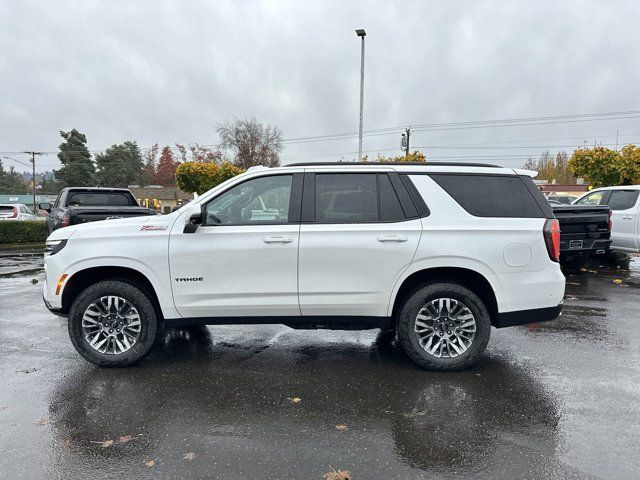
[361, 33]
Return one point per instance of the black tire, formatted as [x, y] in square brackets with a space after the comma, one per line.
[149, 324]
[409, 340]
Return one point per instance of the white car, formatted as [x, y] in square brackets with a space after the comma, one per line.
[438, 252]
[625, 214]
[16, 211]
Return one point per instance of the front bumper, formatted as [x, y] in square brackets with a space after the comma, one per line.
[521, 317]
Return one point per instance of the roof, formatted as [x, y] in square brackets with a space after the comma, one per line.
[164, 193]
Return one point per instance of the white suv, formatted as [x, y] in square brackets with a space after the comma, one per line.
[439, 252]
[625, 214]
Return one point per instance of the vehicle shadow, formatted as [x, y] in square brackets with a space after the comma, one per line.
[196, 387]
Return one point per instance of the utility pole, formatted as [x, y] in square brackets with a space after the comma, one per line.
[406, 136]
[33, 175]
[617, 132]
[361, 33]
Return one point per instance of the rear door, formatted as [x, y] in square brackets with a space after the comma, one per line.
[359, 232]
[624, 210]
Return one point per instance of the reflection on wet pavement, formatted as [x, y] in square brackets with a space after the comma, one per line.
[554, 400]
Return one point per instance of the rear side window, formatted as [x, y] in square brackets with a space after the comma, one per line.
[491, 195]
[346, 198]
[390, 208]
[623, 199]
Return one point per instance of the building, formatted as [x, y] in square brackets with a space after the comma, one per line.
[162, 199]
[27, 199]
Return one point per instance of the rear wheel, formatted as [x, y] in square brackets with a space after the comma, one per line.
[113, 324]
[443, 326]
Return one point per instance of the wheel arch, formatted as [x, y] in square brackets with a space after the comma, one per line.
[81, 279]
[471, 279]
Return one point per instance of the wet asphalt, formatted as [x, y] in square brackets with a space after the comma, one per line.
[554, 400]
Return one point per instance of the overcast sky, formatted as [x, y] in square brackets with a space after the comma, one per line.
[169, 71]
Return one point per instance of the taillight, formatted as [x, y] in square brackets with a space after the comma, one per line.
[610, 222]
[65, 220]
[552, 238]
[15, 213]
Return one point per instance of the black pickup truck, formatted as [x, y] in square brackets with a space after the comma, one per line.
[584, 229]
[85, 204]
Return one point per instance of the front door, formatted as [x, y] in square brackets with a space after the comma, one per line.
[355, 242]
[243, 260]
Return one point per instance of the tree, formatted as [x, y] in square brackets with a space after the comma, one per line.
[11, 181]
[121, 165]
[200, 177]
[165, 173]
[251, 142]
[77, 168]
[150, 163]
[552, 168]
[601, 166]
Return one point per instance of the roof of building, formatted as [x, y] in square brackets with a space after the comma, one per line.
[163, 193]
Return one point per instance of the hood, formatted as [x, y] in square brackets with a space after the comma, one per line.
[116, 227]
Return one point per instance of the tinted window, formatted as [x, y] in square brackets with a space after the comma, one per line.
[490, 195]
[100, 199]
[623, 199]
[595, 198]
[346, 198]
[6, 208]
[390, 208]
[263, 200]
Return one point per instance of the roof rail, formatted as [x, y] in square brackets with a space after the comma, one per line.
[372, 164]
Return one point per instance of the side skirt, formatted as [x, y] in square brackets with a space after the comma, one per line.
[308, 322]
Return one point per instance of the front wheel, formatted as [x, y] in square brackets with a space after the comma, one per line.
[113, 324]
[443, 326]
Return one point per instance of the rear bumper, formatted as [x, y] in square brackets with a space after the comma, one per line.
[569, 246]
[521, 317]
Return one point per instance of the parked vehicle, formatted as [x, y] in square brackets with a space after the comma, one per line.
[84, 204]
[16, 211]
[625, 214]
[564, 199]
[342, 246]
[585, 230]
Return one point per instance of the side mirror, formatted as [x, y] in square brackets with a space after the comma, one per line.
[45, 206]
[194, 222]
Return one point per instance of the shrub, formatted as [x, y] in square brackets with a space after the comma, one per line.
[15, 231]
[202, 176]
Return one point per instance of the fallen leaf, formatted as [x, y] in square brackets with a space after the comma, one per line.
[34, 281]
[125, 439]
[339, 475]
[2, 407]
[149, 463]
[342, 426]
[41, 421]
[189, 456]
[28, 370]
[294, 399]
[105, 444]
[617, 281]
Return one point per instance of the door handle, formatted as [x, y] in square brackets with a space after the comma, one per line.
[628, 217]
[392, 238]
[277, 239]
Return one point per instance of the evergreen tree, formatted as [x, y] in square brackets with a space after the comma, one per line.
[77, 169]
[11, 181]
[121, 165]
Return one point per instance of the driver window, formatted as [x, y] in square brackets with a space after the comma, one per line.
[594, 199]
[263, 200]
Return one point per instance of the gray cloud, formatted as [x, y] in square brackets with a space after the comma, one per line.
[169, 71]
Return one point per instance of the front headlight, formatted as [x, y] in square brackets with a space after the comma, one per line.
[53, 246]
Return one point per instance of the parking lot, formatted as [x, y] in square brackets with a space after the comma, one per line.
[556, 400]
